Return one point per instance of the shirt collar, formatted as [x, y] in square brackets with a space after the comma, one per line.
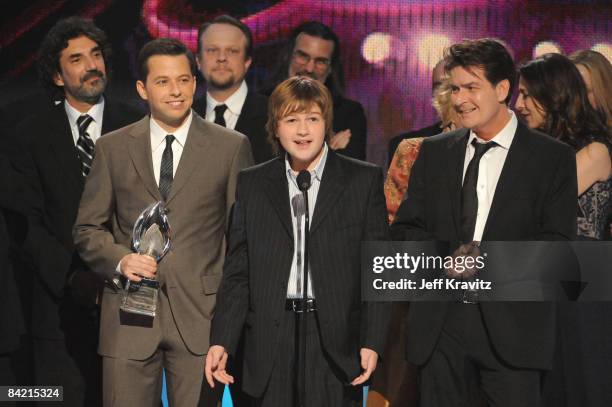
[504, 137]
[96, 112]
[317, 172]
[158, 134]
[234, 103]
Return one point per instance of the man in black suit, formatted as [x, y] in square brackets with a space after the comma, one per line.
[56, 148]
[263, 286]
[13, 228]
[313, 50]
[225, 48]
[437, 76]
[496, 180]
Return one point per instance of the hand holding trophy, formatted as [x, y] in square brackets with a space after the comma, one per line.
[150, 237]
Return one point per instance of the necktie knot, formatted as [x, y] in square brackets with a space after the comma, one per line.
[169, 139]
[481, 148]
[219, 112]
[83, 123]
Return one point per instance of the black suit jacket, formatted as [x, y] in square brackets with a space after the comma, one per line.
[47, 157]
[251, 123]
[535, 199]
[349, 114]
[350, 208]
[13, 228]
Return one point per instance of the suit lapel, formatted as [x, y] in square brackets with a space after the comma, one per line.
[194, 150]
[62, 144]
[139, 147]
[249, 110]
[333, 183]
[455, 161]
[517, 156]
[277, 190]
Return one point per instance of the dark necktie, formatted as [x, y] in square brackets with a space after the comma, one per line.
[469, 196]
[85, 145]
[165, 172]
[219, 112]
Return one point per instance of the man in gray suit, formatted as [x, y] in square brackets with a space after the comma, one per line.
[176, 157]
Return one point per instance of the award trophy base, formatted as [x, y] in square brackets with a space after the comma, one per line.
[140, 298]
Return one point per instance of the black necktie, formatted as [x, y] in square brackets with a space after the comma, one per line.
[469, 196]
[165, 172]
[85, 145]
[219, 112]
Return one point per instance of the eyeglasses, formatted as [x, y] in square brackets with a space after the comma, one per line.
[303, 58]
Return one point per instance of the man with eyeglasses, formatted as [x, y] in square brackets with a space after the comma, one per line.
[314, 50]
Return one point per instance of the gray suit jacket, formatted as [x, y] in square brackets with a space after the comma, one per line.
[121, 184]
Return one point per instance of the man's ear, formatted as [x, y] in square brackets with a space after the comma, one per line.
[247, 63]
[502, 88]
[142, 91]
[58, 80]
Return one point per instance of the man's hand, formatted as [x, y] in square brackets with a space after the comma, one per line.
[369, 359]
[135, 266]
[465, 250]
[216, 361]
[340, 140]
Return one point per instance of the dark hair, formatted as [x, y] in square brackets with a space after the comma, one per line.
[489, 54]
[335, 81]
[556, 85]
[56, 41]
[162, 46]
[229, 20]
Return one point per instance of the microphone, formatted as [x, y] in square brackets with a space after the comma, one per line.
[303, 180]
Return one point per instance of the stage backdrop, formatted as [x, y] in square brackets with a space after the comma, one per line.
[388, 47]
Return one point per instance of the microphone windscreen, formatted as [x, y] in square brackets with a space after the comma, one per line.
[303, 180]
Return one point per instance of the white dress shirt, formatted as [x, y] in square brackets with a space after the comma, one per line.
[234, 105]
[299, 222]
[95, 127]
[491, 165]
[158, 144]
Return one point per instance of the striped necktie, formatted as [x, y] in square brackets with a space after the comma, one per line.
[85, 144]
[166, 169]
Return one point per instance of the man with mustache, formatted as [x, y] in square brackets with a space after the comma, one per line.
[225, 48]
[314, 50]
[55, 152]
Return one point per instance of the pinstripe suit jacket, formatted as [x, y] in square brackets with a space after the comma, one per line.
[350, 209]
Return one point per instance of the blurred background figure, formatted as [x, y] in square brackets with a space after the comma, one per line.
[596, 72]
[437, 76]
[553, 98]
[395, 382]
[313, 50]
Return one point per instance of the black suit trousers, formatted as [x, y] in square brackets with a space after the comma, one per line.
[324, 384]
[464, 369]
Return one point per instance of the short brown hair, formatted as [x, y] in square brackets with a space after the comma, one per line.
[163, 46]
[297, 94]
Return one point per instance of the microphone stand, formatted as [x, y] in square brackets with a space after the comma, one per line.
[304, 185]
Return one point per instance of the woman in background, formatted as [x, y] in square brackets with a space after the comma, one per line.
[408, 150]
[596, 72]
[553, 98]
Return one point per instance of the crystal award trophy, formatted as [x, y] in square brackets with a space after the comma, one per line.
[150, 237]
